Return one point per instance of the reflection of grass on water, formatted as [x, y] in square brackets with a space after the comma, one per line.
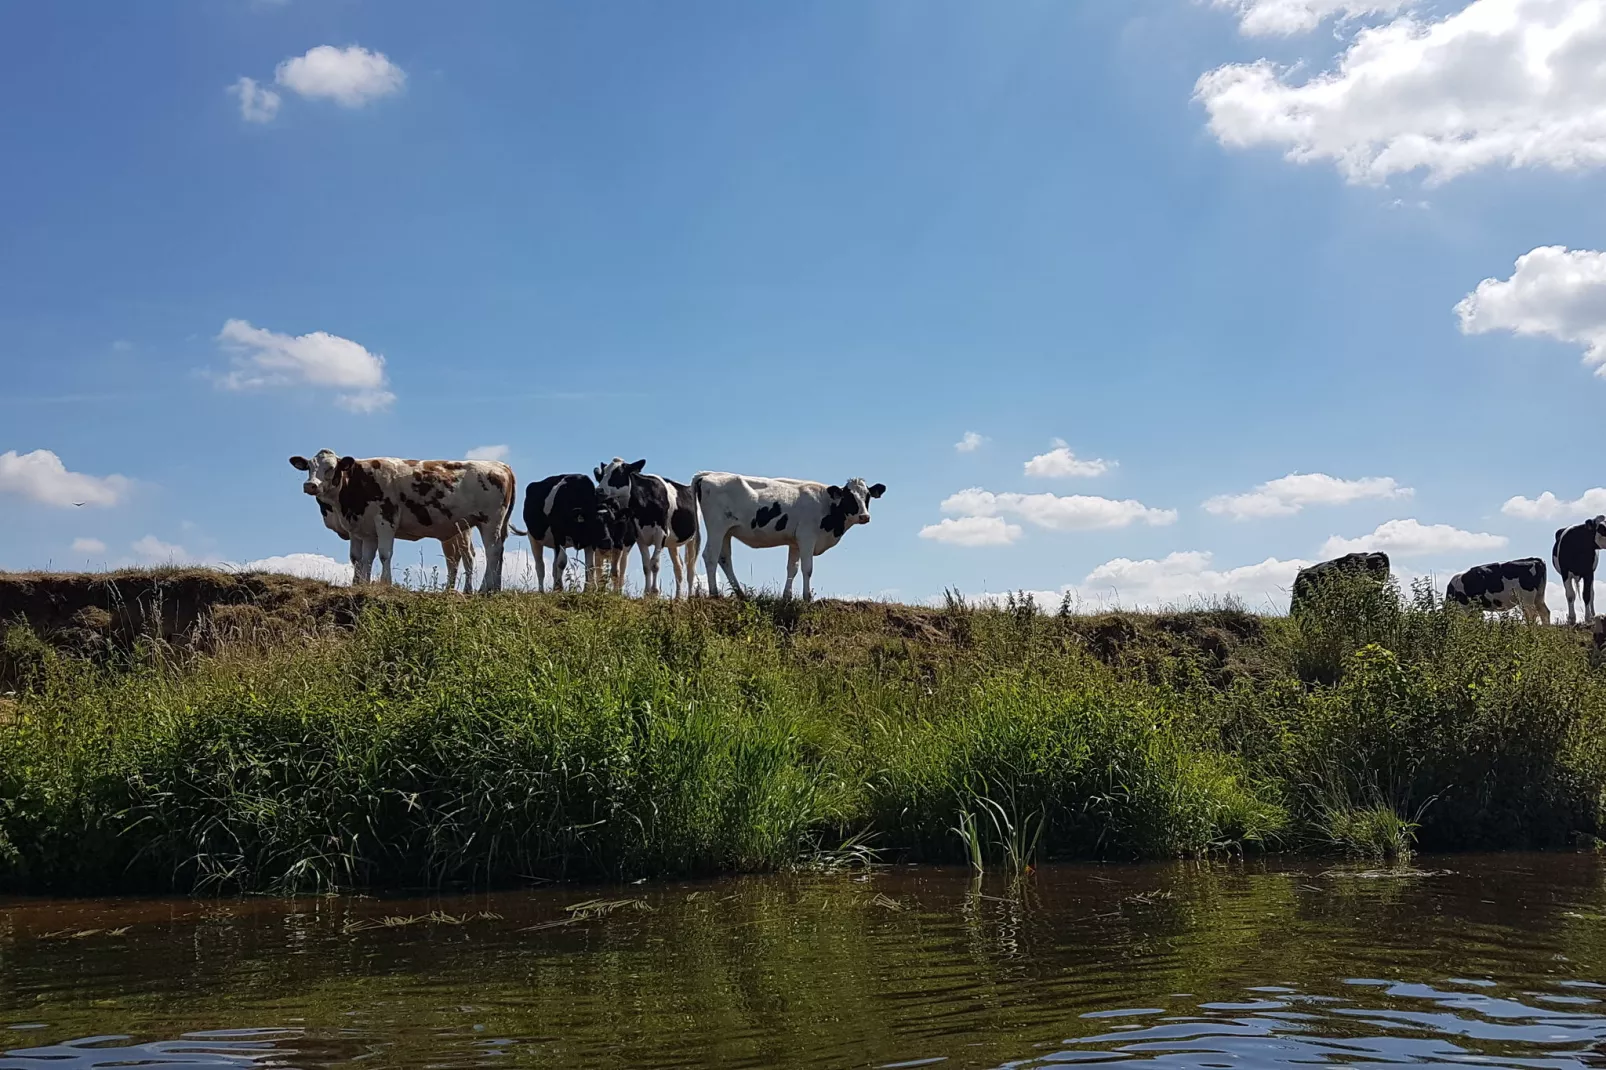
[504, 739]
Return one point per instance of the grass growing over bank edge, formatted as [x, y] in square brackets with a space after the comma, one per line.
[495, 740]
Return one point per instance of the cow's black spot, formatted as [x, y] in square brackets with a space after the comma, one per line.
[780, 525]
[420, 511]
[766, 514]
[358, 490]
[844, 504]
[387, 509]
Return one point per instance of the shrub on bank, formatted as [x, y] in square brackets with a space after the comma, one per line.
[494, 740]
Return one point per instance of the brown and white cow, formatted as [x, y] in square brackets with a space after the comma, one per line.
[381, 499]
[458, 550]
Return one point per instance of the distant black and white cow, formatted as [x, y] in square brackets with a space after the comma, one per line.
[1311, 580]
[1502, 585]
[807, 518]
[1575, 554]
[665, 513]
[564, 513]
[377, 500]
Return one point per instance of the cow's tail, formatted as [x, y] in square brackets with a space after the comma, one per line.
[697, 487]
[510, 494]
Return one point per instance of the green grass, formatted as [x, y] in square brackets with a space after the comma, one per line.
[490, 741]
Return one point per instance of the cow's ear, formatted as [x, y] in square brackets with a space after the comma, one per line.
[878, 490]
[346, 464]
[596, 473]
[834, 491]
[638, 466]
[301, 463]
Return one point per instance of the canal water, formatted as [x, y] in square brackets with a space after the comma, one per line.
[1494, 960]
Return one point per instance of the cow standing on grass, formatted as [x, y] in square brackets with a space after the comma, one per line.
[378, 500]
[1575, 554]
[459, 549]
[1502, 585]
[563, 513]
[1311, 580]
[665, 515]
[807, 518]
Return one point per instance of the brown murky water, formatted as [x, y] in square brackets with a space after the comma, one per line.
[1494, 960]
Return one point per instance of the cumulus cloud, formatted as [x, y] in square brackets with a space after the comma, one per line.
[1072, 512]
[154, 551]
[970, 442]
[486, 453]
[88, 546]
[1514, 83]
[1549, 507]
[266, 358]
[1182, 578]
[1412, 538]
[1553, 291]
[351, 77]
[258, 104]
[973, 531]
[1061, 463]
[307, 566]
[40, 476]
[1291, 493]
[1264, 18]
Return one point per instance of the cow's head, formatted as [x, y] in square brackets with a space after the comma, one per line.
[1597, 527]
[613, 478]
[324, 472]
[852, 501]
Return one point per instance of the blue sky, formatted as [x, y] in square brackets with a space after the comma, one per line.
[1203, 243]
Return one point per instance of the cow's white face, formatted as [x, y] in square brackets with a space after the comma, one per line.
[613, 478]
[1599, 524]
[852, 501]
[322, 472]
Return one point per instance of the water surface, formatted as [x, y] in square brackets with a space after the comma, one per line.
[1494, 960]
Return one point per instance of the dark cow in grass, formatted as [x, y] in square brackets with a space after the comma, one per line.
[1311, 580]
[805, 517]
[665, 515]
[1502, 586]
[564, 513]
[1575, 554]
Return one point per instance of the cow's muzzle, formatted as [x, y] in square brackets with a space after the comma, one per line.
[310, 487]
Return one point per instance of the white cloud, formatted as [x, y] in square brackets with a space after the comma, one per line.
[486, 453]
[308, 566]
[1182, 578]
[1060, 463]
[258, 104]
[350, 76]
[1262, 18]
[1073, 512]
[973, 531]
[41, 477]
[1411, 538]
[1515, 83]
[1291, 493]
[970, 443]
[1553, 291]
[1549, 507]
[88, 546]
[266, 358]
[154, 551]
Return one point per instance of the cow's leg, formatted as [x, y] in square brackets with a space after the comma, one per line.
[674, 549]
[590, 557]
[538, 552]
[805, 553]
[365, 559]
[1572, 597]
[791, 569]
[1589, 598]
[725, 563]
[359, 574]
[465, 554]
[621, 565]
[691, 567]
[491, 535]
[385, 537]
[560, 566]
[716, 555]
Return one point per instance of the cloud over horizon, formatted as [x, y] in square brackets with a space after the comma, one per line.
[265, 358]
[40, 476]
[1292, 493]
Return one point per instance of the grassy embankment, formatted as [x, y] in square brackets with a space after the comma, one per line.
[303, 738]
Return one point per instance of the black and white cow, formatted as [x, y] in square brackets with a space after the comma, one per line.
[1575, 554]
[665, 513]
[807, 518]
[1310, 580]
[564, 513]
[1502, 585]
